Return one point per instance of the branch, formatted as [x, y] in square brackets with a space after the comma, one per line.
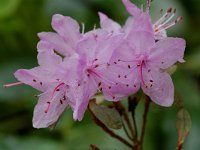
[122, 111]
[110, 132]
[146, 110]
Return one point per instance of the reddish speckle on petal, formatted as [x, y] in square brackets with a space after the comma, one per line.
[61, 102]
[34, 80]
[99, 84]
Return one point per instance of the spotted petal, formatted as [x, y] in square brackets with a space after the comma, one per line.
[158, 86]
[167, 52]
[43, 118]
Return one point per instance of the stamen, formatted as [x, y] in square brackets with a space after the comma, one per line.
[57, 89]
[141, 73]
[163, 17]
[12, 84]
[83, 27]
[148, 5]
[161, 11]
[167, 26]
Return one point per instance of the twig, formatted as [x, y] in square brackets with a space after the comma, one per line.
[146, 110]
[94, 147]
[122, 111]
[135, 126]
[110, 132]
[126, 131]
[132, 104]
[180, 146]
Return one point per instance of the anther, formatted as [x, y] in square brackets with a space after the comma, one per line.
[169, 10]
[99, 84]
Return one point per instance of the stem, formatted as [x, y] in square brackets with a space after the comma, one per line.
[180, 145]
[135, 126]
[126, 131]
[132, 104]
[122, 111]
[110, 132]
[94, 147]
[146, 110]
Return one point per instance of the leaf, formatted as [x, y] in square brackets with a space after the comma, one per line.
[108, 116]
[183, 125]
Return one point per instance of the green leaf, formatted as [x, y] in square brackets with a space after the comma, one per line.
[183, 125]
[108, 116]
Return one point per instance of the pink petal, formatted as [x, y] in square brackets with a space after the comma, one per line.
[99, 47]
[49, 59]
[167, 52]
[119, 82]
[81, 96]
[141, 42]
[131, 8]
[159, 88]
[32, 77]
[67, 28]
[108, 24]
[50, 40]
[42, 119]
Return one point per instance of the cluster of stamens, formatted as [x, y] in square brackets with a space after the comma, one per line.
[165, 21]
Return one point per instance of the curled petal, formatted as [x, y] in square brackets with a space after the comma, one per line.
[50, 40]
[67, 28]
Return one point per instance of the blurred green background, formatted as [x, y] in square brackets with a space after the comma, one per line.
[21, 20]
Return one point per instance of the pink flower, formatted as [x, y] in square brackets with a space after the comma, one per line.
[147, 60]
[96, 50]
[57, 80]
[159, 27]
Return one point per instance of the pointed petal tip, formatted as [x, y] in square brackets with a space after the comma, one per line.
[77, 117]
[166, 103]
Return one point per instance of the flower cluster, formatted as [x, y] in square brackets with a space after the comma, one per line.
[113, 59]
